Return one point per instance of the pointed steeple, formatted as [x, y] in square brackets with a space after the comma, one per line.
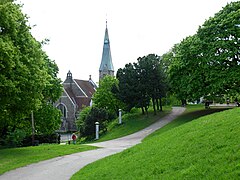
[106, 67]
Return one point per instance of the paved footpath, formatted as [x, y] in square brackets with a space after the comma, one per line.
[64, 167]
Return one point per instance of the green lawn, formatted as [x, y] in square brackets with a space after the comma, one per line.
[205, 148]
[192, 112]
[132, 123]
[17, 157]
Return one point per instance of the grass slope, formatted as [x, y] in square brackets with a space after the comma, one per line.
[132, 122]
[192, 112]
[17, 157]
[206, 148]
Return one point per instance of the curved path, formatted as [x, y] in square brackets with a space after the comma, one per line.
[64, 167]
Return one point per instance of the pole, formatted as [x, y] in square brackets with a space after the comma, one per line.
[97, 130]
[33, 129]
[120, 116]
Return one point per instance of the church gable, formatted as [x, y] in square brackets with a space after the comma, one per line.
[77, 94]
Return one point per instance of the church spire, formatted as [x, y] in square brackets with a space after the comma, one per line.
[106, 66]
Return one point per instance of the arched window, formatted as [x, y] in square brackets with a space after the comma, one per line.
[63, 109]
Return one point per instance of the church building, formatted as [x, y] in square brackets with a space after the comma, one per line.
[77, 94]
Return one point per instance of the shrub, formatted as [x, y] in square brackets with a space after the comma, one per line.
[87, 119]
[15, 138]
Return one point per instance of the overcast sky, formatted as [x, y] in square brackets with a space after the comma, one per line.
[136, 28]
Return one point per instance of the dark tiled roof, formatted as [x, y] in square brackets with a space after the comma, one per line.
[81, 101]
[86, 86]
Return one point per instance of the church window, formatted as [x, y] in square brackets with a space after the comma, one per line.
[63, 109]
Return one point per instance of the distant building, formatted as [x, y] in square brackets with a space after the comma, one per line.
[76, 95]
[106, 66]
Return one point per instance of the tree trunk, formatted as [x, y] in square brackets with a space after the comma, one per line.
[157, 100]
[146, 109]
[160, 104]
[142, 110]
[154, 108]
[184, 102]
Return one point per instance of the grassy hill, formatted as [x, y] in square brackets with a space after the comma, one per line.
[208, 147]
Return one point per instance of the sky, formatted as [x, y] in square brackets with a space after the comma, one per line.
[136, 28]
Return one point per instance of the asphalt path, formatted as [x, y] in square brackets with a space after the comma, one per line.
[64, 167]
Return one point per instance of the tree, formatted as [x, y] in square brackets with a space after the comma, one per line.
[207, 63]
[129, 90]
[105, 98]
[87, 119]
[219, 36]
[28, 77]
[187, 72]
[142, 81]
[152, 78]
[47, 119]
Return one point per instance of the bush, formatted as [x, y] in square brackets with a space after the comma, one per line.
[40, 138]
[87, 119]
[15, 138]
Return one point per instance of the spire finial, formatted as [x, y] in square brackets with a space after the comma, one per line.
[106, 20]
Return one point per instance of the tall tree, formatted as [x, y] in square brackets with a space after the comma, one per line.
[127, 90]
[104, 97]
[207, 63]
[219, 36]
[152, 78]
[28, 77]
[142, 81]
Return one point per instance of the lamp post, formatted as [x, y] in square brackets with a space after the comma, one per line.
[97, 130]
[33, 128]
[120, 116]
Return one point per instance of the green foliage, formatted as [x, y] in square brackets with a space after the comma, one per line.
[131, 123]
[205, 148]
[87, 119]
[15, 138]
[208, 63]
[28, 78]
[47, 119]
[18, 157]
[142, 81]
[220, 37]
[129, 90]
[105, 98]
[81, 121]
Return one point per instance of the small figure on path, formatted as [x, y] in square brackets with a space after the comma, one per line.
[59, 138]
[74, 137]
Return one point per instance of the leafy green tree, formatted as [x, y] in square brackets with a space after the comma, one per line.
[28, 78]
[152, 78]
[130, 91]
[105, 98]
[87, 119]
[219, 36]
[142, 81]
[187, 72]
[47, 119]
[207, 63]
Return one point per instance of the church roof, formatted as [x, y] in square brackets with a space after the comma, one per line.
[106, 63]
[86, 86]
[79, 91]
